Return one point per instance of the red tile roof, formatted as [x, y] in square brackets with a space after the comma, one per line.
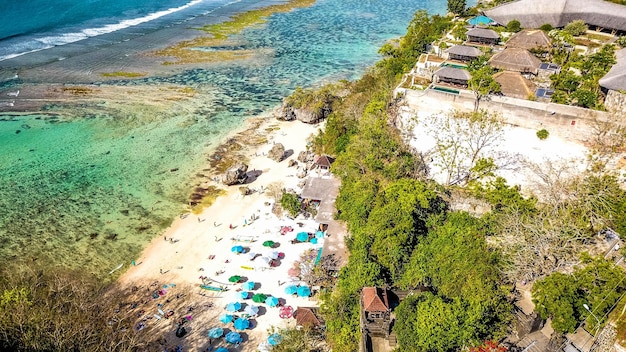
[306, 317]
[375, 299]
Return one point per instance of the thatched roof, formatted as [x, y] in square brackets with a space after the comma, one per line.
[615, 79]
[464, 50]
[453, 73]
[513, 59]
[483, 33]
[558, 13]
[375, 299]
[529, 39]
[514, 85]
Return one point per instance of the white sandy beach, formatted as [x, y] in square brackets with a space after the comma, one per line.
[202, 247]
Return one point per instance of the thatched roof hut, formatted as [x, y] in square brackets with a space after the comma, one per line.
[615, 79]
[529, 39]
[452, 75]
[513, 59]
[483, 35]
[512, 84]
[463, 52]
[558, 13]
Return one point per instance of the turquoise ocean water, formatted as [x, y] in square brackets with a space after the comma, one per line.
[90, 192]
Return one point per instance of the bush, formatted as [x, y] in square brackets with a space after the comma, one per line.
[576, 28]
[543, 134]
[291, 203]
[621, 41]
[546, 27]
[514, 26]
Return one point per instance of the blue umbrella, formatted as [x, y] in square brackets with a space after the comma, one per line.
[251, 310]
[302, 236]
[274, 339]
[233, 337]
[233, 306]
[291, 289]
[313, 240]
[222, 349]
[244, 294]
[237, 249]
[242, 324]
[226, 318]
[271, 301]
[304, 291]
[319, 234]
[248, 285]
[216, 333]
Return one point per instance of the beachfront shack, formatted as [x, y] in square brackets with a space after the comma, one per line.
[558, 13]
[513, 84]
[514, 59]
[463, 53]
[308, 317]
[530, 39]
[483, 36]
[323, 162]
[613, 84]
[453, 76]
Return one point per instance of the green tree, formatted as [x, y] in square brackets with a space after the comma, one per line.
[457, 6]
[514, 26]
[584, 98]
[291, 203]
[576, 28]
[482, 84]
[621, 41]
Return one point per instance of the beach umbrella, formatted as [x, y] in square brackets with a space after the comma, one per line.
[221, 349]
[293, 272]
[226, 318]
[304, 291]
[251, 310]
[242, 324]
[271, 301]
[269, 244]
[235, 278]
[272, 255]
[233, 337]
[319, 234]
[286, 312]
[233, 306]
[291, 289]
[302, 236]
[313, 240]
[274, 339]
[248, 285]
[216, 333]
[244, 294]
[237, 249]
[259, 298]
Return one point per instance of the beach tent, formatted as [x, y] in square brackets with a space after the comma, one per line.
[304, 291]
[226, 318]
[237, 249]
[233, 337]
[235, 278]
[242, 324]
[216, 333]
[259, 298]
[291, 289]
[274, 339]
[248, 285]
[271, 301]
[302, 236]
[244, 294]
[233, 306]
[251, 310]
[269, 244]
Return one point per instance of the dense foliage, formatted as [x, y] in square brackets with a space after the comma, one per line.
[457, 6]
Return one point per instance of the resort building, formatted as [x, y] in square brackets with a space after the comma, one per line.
[483, 36]
[558, 13]
[375, 311]
[513, 59]
[463, 53]
[530, 39]
[308, 317]
[614, 83]
[453, 76]
[513, 84]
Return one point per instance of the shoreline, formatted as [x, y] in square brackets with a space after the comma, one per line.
[199, 245]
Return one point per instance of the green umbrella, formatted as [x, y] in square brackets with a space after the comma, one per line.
[235, 278]
[269, 244]
[259, 298]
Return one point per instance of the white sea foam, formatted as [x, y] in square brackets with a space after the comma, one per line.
[54, 40]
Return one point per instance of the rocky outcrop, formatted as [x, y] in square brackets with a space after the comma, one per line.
[305, 156]
[235, 175]
[301, 173]
[306, 115]
[277, 153]
[292, 163]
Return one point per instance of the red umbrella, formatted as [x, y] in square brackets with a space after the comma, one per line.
[286, 312]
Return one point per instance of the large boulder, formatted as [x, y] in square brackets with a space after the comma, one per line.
[305, 156]
[277, 153]
[235, 175]
[306, 115]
